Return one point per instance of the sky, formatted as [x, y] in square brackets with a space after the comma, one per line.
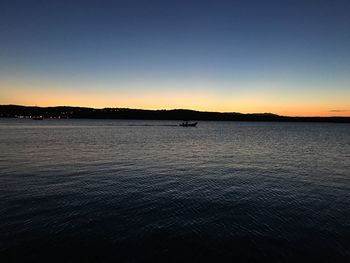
[285, 57]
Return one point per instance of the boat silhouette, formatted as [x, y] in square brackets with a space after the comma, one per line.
[187, 124]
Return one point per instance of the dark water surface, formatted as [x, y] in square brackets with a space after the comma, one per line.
[142, 191]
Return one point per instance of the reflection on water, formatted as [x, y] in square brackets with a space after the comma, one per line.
[135, 191]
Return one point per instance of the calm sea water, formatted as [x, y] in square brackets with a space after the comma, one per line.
[142, 191]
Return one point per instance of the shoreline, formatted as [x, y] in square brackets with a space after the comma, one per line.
[59, 112]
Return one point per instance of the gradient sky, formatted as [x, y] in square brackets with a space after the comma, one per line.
[285, 57]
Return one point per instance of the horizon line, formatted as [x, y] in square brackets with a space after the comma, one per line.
[170, 109]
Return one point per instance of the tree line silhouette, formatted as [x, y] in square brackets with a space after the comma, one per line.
[12, 111]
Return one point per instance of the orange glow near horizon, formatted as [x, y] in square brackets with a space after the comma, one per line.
[201, 104]
[197, 98]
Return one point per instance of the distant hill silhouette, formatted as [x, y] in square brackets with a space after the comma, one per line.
[12, 111]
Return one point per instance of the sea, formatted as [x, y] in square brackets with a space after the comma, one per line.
[79, 190]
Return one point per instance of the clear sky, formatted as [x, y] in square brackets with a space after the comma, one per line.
[286, 57]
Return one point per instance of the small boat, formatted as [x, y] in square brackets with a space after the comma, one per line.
[187, 124]
[38, 118]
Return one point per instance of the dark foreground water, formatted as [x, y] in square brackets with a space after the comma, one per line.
[141, 191]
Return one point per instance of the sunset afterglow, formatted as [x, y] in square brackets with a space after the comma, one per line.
[200, 56]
